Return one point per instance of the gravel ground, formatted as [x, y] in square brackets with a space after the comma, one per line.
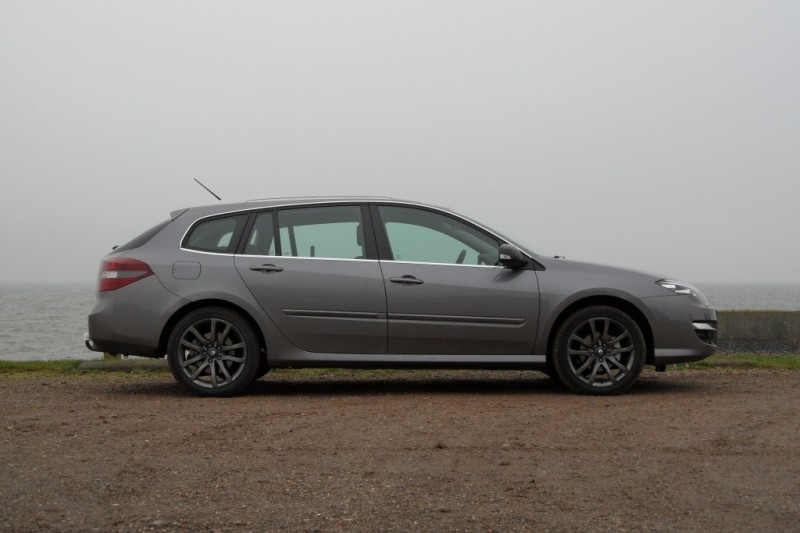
[433, 451]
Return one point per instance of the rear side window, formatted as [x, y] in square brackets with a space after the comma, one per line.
[328, 232]
[262, 236]
[143, 238]
[219, 235]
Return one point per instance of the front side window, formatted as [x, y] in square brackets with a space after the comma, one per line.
[216, 234]
[326, 232]
[420, 236]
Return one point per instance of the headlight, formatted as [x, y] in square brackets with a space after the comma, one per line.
[677, 287]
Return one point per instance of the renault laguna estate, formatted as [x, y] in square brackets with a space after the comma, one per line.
[229, 291]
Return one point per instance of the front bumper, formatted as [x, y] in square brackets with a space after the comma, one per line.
[684, 329]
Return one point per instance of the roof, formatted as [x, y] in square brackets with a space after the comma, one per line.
[225, 207]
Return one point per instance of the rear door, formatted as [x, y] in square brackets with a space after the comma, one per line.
[314, 272]
[445, 294]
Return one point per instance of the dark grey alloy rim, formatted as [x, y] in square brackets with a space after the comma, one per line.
[212, 353]
[601, 352]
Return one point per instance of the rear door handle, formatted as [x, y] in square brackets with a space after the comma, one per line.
[266, 268]
[407, 280]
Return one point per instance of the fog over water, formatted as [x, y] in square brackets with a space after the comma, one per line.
[661, 136]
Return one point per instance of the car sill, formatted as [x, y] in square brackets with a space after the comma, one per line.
[341, 360]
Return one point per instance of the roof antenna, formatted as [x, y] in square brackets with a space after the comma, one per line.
[209, 190]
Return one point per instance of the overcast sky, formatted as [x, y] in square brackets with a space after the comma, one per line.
[662, 136]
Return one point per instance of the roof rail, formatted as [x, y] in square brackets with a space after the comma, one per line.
[341, 197]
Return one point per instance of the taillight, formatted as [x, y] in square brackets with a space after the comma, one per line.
[116, 273]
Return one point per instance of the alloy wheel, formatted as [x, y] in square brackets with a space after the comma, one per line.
[601, 352]
[212, 353]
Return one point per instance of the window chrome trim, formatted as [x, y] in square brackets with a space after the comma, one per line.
[248, 210]
[205, 253]
[460, 218]
[355, 201]
[250, 256]
[439, 264]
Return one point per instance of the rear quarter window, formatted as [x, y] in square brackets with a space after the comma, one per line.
[219, 235]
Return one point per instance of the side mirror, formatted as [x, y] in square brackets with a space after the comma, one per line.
[511, 257]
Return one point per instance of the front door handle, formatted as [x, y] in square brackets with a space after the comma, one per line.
[407, 280]
[266, 268]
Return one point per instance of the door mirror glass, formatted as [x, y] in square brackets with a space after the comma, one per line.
[511, 257]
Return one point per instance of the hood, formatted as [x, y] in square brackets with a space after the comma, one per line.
[577, 276]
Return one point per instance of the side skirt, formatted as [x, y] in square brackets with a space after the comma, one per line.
[342, 360]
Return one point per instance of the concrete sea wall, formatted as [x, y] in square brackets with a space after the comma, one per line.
[759, 332]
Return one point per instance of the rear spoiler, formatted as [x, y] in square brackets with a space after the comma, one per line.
[175, 214]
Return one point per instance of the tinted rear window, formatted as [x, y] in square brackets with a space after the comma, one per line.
[218, 235]
[143, 238]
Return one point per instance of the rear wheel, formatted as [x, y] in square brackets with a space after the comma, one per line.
[213, 352]
[263, 367]
[599, 350]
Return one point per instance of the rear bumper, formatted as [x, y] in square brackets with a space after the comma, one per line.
[87, 340]
[120, 348]
[130, 320]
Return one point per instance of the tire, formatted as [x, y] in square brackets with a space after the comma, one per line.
[213, 351]
[599, 350]
[263, 367]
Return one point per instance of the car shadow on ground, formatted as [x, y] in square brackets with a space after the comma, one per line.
[355, 386]
[533, 385]
[526, 383]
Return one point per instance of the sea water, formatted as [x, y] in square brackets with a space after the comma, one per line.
[45, 321]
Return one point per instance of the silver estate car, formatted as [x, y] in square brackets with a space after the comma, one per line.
[229, 291]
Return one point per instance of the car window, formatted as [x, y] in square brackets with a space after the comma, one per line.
[417, 235]
[216, 234]
[326, 232]
[262, 237]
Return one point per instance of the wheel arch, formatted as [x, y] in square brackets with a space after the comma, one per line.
[209, 302]
[623, 305]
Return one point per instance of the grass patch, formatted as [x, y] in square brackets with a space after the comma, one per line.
[66, 367]
[42, 368]
[775, 362]
[72, 367]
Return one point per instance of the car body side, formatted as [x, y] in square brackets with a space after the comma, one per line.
[187, 279]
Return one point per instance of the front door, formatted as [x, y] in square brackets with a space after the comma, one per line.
[445, 293]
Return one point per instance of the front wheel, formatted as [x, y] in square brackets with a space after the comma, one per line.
[599, 350]
[213, 352]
